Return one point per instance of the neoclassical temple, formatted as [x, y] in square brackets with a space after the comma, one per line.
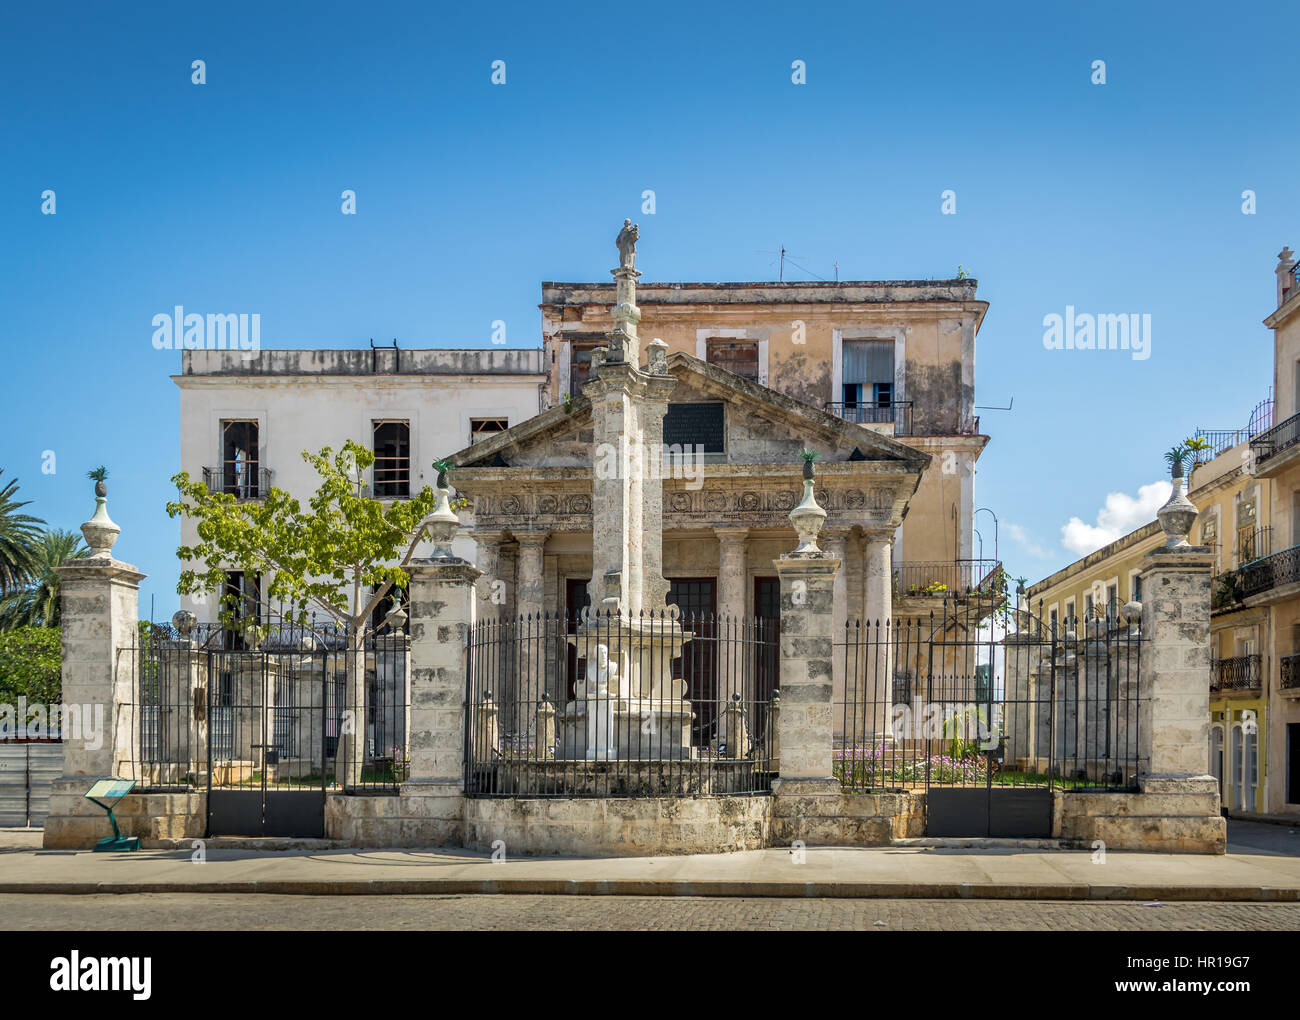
[725, 505]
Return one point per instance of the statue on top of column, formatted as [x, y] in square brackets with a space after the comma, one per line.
[626, 242]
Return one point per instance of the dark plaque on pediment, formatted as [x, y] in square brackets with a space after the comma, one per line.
[692, 425]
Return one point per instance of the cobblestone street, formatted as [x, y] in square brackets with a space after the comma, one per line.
[626, 913]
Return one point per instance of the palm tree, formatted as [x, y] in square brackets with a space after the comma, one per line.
[19, 534]
[36, 604]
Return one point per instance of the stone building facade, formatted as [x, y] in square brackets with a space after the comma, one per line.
[892, 356]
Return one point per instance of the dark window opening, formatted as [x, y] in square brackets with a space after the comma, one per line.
[392, 446]
[580, 363]
[483, 428]
[239, 458]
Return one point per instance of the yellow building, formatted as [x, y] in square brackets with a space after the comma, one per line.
[1234, 521]
[1261, 599]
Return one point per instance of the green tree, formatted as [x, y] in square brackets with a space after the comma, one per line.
[19, 533]
[30, 663]
[36, 603]
[327, 557]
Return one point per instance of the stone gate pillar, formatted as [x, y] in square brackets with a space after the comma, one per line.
[99, 600]
[806, 679]
[1176, 808]
[442, 599]
[1174, 686]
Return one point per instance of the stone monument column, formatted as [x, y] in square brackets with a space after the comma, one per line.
[99, 597]
[628, 592]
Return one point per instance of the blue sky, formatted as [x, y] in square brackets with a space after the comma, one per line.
[1115, 198]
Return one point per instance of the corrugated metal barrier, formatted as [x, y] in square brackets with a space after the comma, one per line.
[26, 772]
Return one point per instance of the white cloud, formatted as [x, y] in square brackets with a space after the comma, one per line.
[1121, 514]
[1028, 542]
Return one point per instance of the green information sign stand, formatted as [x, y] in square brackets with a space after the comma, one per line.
[112, 790]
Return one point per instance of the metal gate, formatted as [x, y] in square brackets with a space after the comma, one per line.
[989, 712]
[267, 732]
[270, 745]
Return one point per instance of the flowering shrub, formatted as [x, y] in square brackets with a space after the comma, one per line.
[401, 763]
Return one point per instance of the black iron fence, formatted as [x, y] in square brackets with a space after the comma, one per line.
[981, 696]
[292, 710]
[610, 706]
[1238, 673]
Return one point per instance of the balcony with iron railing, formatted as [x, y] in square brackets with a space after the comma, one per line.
[1269, 444]
[1239, 673]
[1233, 587]
[243, 480]
[1291, 671]
[1253, 543]
[864, 412]
[1222, 440]
[947, 579]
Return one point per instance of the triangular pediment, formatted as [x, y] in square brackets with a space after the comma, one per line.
[763, 426]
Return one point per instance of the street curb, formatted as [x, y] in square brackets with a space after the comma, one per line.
[669, 887]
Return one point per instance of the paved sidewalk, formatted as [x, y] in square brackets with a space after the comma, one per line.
[1264, 866]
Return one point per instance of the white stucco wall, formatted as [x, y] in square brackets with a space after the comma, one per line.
[305, 412]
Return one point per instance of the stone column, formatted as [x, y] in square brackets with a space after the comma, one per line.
[531, 597]
[442, 596]
[99, 599]
[878, 625]
[490, 589]
[731, 604]
[526, 681]
[878, 599]
[835, 540]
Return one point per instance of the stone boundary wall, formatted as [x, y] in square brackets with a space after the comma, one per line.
[1152, 820]
[154, 818]
[624, 827]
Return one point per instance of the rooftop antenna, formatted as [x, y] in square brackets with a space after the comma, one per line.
[837, 271]
[784, 255]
